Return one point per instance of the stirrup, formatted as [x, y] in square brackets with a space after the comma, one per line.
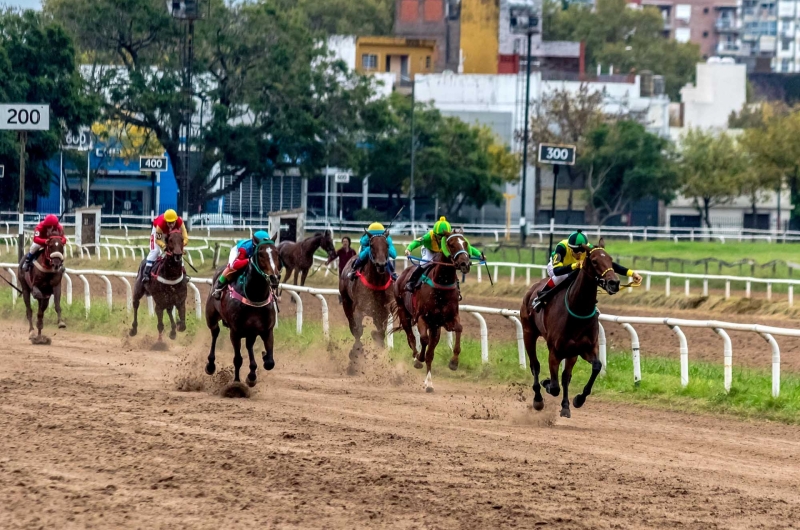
[217, 294]
[537, 305]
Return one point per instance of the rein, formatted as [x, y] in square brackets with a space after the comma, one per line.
[242, 280]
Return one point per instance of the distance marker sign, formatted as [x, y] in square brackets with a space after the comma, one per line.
[152, 163]
[557, 155]
[24, 117]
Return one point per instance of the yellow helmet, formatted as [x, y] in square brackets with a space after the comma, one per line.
[441, 226]
[170, 216]
[375, 226]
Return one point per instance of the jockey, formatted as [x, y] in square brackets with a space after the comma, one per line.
[567, 257]
[431, 244]
[46, 229]
[162, 226]
[375, 229]
[239, 256]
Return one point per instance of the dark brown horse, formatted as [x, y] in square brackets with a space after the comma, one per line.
[369, 294]
[167, 286]
[299, 257]
[247, 307]
[42, 281]
[434, 305]
[569, 325]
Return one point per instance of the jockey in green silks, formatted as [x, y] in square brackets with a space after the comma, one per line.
[434, 242]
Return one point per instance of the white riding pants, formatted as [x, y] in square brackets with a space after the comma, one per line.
[155, 250]
[556, 279]
[35, 247]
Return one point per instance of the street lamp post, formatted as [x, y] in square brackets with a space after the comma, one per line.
[411, 190]
[524, 18]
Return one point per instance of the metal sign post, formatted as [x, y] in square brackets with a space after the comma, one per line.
[23, 117]
[341, 178]
[556, 156]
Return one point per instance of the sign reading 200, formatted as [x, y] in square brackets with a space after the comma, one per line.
[23, 117]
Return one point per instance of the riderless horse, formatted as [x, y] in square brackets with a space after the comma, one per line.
[369, 293]
[167, 286]
[41, 281]
[569, 325]
[434, 305]
[299, 257]
[248, 307]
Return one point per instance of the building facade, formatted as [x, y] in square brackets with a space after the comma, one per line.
[402, 57]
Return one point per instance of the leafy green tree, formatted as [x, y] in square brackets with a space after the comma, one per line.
[349, 17]
[37, 65]
[712, 168]
[623, 164]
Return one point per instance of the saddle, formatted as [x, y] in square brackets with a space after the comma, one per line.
[155, 273]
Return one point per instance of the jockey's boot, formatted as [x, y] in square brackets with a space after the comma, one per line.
[222, 282]
[541, 297]
[351, 275]
[146, 273]
[390, 267]
[413, 281]
[26, 265]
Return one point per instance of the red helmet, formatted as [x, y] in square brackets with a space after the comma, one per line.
[51, 220]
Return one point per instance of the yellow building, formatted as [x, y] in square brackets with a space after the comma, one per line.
[401, 56]
[480, 34]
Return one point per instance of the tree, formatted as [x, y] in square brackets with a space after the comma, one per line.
[711, 169]
[37, 65]
[349, 17]
[629, 39]
[623, 164]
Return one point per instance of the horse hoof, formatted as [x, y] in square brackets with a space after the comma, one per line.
[565, 413]
[578, 401]
[133, 332]
[211, 368]
[251, 383]
[62, 325]
[538, 405]
[173, 335]
[181, 327]
[269, 364]
[418, 364]
[429, 389]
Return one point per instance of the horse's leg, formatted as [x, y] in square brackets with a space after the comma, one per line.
[269, 341]
[296, 273]
[405, 322]
[212, 321]
[380, 319]
[566, 377]
[57, 304]
[349, 311]
[303, 277]
[138, 292]
[457, 329]
[551, 385]
[434, 333]
[160, 316]
[182, 316]
[43, 303]
[597, 366]
[172, 333]
[249, 341]
[530, 336]
[26, 297]
[236, 341]
[424, 340]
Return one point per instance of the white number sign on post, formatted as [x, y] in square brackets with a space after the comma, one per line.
[24, 117]
[561, 155]
[342, 178]
[153, 163]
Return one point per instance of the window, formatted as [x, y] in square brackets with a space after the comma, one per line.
[705, 10]
[683, 34]
[428, 62]
[785, 65]
[434, 10]
[683, 12]
[786, 44]
[705, 34]
[369, 61]
[409, 10]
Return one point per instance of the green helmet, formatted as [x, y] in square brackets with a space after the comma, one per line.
[576, 239]
[441, 226]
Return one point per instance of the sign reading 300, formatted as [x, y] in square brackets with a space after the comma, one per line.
[557, 155]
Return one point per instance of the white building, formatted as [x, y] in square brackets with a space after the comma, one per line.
[719, 89]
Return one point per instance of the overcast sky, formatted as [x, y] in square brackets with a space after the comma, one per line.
[28, 4]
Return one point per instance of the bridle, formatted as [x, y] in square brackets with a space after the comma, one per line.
[169, 252]
[371, 236]
[601, 279]
[257, 267]
[48, 256]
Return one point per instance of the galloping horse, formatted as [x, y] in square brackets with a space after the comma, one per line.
[434, 305]
[247, 307]
[167, 286]
[369, 294]
[569, 325]
[43, 280]
[299, 257]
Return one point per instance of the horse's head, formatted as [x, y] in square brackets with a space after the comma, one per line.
[174, 245]
[458, 248]
[327, 244]
[54, 253]
[379, 250]
[599, 264]
[268, 262]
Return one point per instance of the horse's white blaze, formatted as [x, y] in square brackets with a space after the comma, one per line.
[271, 260]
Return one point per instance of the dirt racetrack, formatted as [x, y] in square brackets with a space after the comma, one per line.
[94, 434]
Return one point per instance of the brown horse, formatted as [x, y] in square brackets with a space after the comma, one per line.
[369, 293]
[299, 257]
[434, 305]
[42, 281]
[569, 325]
[247, 307]
[167, 286]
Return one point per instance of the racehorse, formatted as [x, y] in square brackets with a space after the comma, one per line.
[247, 307]
[434, 305]
[167, 286]
[299, 257]
[369, 294]
[41, 281]
[569, 325]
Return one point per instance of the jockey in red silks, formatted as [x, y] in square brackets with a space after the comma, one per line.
[162, 226]
[47, 228]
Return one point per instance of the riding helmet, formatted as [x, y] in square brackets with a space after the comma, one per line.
[576, 239]
[170, 216]
[51, 220]
[375, 226]
[260, 236]
[441, 226]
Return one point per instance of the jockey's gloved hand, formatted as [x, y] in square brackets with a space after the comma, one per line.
[637, 278]
[408, 253]
[483, 256]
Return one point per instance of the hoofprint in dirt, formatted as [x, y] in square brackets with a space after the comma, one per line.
[94, 434]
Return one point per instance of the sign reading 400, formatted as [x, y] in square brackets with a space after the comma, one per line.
[153, 163]
[24, 117]
[557, 155]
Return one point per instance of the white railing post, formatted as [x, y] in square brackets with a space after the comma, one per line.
[727, 353]
[151, 308]
[198, 304]
[637, 368]
[791, 295]
[16, 284]
[727, 289]
[496, 269]
[69, 288]
[480, 270]
[705, 286]
[601, 347]
[684, 351]
[647, 283]
[769, 291]
[87, 297]
[484, 337]
[128, 294]
[109, 292]
[747, 289]
[686, 289]
[527, 275]
[520, 340]
[776, 364]
[389, 335]
[298, 303]
[326, 330]
[666, 287]
[513, 270]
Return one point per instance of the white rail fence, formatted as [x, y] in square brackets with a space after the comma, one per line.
[768, 333]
